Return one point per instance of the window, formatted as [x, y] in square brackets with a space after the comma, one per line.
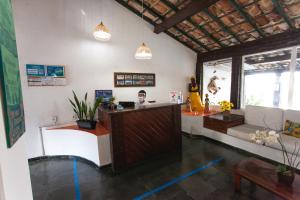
[272, 78]
[217, 80]
[296, 92]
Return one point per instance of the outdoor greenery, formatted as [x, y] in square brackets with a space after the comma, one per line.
[251, 100]
[82, 109]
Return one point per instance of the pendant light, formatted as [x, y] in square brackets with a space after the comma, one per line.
[143, 52]
[102, 33]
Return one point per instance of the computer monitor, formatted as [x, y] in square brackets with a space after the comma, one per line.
[105, 94]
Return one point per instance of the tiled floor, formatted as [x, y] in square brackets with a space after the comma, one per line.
[54, 179]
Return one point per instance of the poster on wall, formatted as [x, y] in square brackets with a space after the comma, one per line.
[45, 75]
[10, 84]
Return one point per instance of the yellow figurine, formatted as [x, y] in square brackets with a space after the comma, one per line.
[196, 102]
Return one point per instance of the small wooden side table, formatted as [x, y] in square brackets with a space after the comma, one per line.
[264, 175]
[220, 122]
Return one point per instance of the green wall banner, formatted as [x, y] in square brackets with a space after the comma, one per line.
[10, 84]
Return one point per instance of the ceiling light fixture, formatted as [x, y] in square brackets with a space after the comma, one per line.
[143, 52]
[102, 33]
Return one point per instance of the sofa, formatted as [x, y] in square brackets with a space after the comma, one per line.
[261, 118]
[256, 118]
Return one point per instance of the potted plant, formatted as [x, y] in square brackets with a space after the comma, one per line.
[112, 103]
[84, 112]
[286, 172]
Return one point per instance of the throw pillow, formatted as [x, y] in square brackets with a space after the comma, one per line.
[292, 128]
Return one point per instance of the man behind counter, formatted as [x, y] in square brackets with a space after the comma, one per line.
[142, 98]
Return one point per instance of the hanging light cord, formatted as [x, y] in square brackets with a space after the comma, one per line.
[143, 20]
[143, 10]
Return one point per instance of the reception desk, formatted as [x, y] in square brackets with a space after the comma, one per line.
[141, 133]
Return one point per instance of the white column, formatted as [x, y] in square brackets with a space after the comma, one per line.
[292, 76]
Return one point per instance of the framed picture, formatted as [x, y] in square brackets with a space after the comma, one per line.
[123, 79]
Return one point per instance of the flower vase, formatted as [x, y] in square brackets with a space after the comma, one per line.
[226, 114]
[286, 179]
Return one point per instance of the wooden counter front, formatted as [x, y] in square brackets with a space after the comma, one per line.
[141, 133]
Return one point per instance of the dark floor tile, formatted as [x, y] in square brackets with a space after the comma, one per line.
[54, 179]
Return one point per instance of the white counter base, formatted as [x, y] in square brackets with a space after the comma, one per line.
[58, 142]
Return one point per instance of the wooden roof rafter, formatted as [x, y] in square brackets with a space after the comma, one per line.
[170, 10]
[247, 17]
[282, 13]
[197, 26]
[177, 29]
[138, 13]
[223, 26]
[191, 9]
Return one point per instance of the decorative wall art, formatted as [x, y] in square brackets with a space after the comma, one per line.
[10, 84]
[45, 75]
[134, 79]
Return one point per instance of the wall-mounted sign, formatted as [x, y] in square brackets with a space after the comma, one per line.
[35, 70]
[134, 79]
[55, 71]
[45, 75]
[176, 97]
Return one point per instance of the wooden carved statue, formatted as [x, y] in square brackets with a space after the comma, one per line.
[188, 105]
[206, 105]
[196, 102]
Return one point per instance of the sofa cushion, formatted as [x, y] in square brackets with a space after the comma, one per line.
[265, 117]
[291, 115]
[292, 128]
[243, 131]
[288, 141]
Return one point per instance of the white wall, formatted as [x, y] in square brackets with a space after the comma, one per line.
[14, 171]
[60, 32]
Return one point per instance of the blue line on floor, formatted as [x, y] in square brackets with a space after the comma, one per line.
[178, 179]
[76, 181]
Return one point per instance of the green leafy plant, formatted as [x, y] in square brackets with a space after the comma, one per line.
[112, 100]
[291, 162]
[82, 109]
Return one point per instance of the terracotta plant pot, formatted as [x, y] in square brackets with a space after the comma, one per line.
[86, 124]
[286, 179]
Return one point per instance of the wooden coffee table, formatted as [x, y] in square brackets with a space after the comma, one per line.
[264, 174]
[219, 122]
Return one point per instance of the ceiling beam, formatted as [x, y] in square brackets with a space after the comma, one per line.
[154, 13]
[189, 19]
[191, 9]
[267, 60]
[278, 41]
[123, 3]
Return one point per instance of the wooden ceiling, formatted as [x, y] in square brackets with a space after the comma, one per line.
[208, 25]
